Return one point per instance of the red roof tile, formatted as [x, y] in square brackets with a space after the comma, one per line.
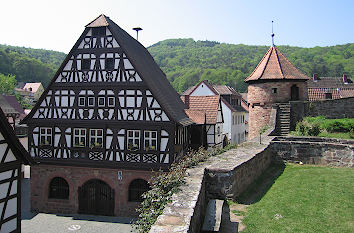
[274, 66]
[100, 21]
[203, 107]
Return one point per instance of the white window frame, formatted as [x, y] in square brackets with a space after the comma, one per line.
[133, 140]
[94, 138]
[48, 136]
[79, 102]
[150, 139]
[109, 98]
[80, 136]
[104, 101]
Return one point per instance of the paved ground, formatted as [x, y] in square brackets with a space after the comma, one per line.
[55, 223]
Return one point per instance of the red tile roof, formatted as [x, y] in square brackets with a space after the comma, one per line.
[32, 87]
[203, 107]
[337, 93]
[274, 66]
[100, 21]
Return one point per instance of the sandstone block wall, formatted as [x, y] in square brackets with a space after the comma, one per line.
[311, 150]
[41, 175]
[337, 108]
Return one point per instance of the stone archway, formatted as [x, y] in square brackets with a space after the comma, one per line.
[96, 197]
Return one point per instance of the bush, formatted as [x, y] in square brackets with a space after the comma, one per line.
[304, 128]
[351, 133]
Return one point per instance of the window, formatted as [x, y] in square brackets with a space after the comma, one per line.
[328, 95]
[86, 63]
[79, 137]
[99, 31]
[109, 64]
[96, 138]
[218, 130]
[81, 101]
[274, 90]
[58, 188]
[91, 101]
[133, 139]
[101, 101]
[110, 101]
[150, 140]
[136, 189]
[45, 136]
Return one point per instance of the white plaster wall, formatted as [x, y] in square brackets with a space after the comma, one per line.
[238, 129]
[202, 90]
[227, 113]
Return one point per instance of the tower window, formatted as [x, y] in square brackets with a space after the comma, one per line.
[274, 90]
[86, 63]
[109, 63]
[58, 188]
[328, 96]
[99, 31]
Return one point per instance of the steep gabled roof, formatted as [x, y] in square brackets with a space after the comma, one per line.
[6, 106]
[203, 109]
[146, 67]
[32, 87]
[10, 137]
[275, 66]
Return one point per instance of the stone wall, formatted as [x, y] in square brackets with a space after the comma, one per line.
[41, 175]
[311, 150]
[337, 108]
[223, 176]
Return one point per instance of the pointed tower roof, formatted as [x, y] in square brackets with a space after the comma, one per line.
[275, 66]
[100, 21]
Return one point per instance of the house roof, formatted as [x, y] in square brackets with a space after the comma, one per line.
[334, 82]
[7, 108]
[10, 137]
[225, 90]
[146, 67]
[203, 109]
[34, 86]
[275, 66]
[12, 101]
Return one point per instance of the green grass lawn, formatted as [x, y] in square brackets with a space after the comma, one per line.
[304, 198]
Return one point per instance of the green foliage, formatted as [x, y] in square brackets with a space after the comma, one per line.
[320, 126]
[186, 62]
[29, 65]
[7, 84]
[305, 199]
[165, 184]
[263, 129]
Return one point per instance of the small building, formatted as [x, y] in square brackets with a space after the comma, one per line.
[274, 80]
[206, 113]
[10, 112]
[107, 119]
[234, 114]
[322, 88]
[30, 91]
[12, 156]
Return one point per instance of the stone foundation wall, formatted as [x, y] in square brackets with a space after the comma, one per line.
[311, 150]
[337, 108]
[41, 175]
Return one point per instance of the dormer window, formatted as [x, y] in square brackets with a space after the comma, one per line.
[99, 31]
[85, 64]
[109, 63]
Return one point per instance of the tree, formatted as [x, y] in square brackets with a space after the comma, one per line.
[7, 84]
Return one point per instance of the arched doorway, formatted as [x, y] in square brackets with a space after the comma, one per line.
[96, 197]
[294, 92]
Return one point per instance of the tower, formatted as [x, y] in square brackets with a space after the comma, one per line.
[275, 80]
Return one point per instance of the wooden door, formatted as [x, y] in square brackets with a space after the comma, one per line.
[96, 197]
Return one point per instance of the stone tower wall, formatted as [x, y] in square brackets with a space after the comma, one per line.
[261, 98]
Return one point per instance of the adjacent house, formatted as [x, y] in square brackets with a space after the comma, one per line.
[234, 114]
[30, 91]
[206, 112]
[322, 88]
[12, 156]
[107, 119]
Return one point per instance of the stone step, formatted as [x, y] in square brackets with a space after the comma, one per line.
[212, 219]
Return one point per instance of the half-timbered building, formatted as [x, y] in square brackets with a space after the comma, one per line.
[108, 117]
[12, 156]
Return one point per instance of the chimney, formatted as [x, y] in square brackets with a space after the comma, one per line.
[345, 79]
[315, 77]
[186, 101]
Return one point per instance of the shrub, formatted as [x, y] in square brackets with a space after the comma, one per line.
[351, 133]
[304, 128]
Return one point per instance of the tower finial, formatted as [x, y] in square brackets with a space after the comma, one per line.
[272, 35]
[137, 29]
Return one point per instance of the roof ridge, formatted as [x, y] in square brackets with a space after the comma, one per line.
[281, 69]
[258, 65]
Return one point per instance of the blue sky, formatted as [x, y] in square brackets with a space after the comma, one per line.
[56, 25]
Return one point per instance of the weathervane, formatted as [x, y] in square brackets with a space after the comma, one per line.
[137, 29]
[272, 35]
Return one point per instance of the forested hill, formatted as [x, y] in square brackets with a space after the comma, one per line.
[29, 65]
[186, 61]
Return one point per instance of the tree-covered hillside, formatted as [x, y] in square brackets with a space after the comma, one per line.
[29, 65]
[186, 61]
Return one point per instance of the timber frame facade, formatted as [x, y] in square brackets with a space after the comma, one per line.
[12, 156]
[109, 105]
